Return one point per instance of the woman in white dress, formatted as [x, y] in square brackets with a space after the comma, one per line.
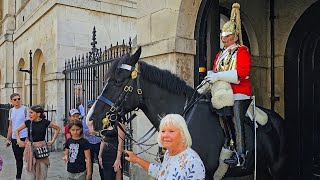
[180, 161]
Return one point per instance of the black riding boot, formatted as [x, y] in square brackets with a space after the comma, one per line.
[239, 157]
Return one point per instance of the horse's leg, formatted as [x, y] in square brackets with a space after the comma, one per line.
[209, 175]
[263, 173]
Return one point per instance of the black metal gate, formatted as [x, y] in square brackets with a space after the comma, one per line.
[4, 121]
[85, 77]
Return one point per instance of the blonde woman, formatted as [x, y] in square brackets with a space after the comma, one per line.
[179, 159]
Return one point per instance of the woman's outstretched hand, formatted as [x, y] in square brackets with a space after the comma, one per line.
[131, 157]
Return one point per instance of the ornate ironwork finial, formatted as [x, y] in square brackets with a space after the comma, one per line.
[93, 52]
[94, 40]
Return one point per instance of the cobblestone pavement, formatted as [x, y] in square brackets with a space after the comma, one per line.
[57, 169]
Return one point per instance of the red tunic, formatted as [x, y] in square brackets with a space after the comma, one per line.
[243, 70]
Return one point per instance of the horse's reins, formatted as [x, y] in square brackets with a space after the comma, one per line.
[193, 100]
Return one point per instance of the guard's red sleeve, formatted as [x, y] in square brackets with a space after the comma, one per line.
[243, 62]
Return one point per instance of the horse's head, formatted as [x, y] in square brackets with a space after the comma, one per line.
[120, 95]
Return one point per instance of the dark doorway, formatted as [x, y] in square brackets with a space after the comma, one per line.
[207, 35]
[302, 96]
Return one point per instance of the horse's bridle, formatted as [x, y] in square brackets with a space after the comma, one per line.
[116, 107]
[113, 113]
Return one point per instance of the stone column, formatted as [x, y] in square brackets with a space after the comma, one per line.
[6, 48]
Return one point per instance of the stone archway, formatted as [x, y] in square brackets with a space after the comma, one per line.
[21, 81]
[209, 19]
[302, 95]
[41, 85]
[38, 75]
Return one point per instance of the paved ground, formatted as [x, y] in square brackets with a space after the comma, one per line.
[57, 169]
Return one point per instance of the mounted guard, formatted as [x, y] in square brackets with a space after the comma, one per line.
[231, 65]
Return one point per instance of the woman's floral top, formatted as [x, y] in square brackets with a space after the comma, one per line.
[186, 165]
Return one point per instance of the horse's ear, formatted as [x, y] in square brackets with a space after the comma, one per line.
[135, 57]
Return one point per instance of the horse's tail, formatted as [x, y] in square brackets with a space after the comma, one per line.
[278, 168]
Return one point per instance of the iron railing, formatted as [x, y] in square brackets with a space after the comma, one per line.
[85, 78]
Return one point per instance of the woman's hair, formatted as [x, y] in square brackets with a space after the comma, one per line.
[76, 123]
[177, 121]
[38, 109]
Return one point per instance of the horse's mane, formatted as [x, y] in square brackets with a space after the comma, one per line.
[165, 79]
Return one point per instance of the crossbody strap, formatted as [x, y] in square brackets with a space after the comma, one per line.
[31, 139]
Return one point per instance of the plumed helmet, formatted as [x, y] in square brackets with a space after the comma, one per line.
[233, 26]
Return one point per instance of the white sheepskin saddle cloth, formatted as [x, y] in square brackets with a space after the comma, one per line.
[261, 116]
[222, 96]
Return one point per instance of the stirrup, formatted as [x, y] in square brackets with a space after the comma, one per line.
[241, 159]
[243, 156]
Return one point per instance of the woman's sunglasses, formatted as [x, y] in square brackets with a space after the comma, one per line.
[16, 99]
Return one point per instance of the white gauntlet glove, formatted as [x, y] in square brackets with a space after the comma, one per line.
[230, 76]
[205, 87]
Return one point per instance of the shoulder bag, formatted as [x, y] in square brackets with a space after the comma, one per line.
[39, 152]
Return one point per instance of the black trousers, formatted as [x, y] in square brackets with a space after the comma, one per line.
[18, 155]
[94, 152]
[109, 172]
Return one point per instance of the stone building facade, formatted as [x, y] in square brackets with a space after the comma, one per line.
[54, 31]
[169, 31]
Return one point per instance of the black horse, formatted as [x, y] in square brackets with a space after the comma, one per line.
[132, 84]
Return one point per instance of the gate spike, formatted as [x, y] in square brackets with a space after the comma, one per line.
[111, 51]
[82, 60]
[105, 53]
[117, 47]
[123, 46]
[72, 63]
[79, 61]
[87, 58]
[130, 45]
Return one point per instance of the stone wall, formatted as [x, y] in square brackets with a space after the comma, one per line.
[61, 29]
[56, 30]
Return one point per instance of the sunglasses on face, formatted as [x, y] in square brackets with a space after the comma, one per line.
[18, 99]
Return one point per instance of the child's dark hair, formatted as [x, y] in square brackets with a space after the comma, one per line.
[76, 123]
[38, 109]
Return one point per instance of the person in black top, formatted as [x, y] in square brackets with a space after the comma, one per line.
[36, 168]
[111, 152]
[77, 153]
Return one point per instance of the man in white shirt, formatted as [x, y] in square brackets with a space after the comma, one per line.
[17, 116]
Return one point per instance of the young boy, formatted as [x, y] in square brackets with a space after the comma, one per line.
[74, 114]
